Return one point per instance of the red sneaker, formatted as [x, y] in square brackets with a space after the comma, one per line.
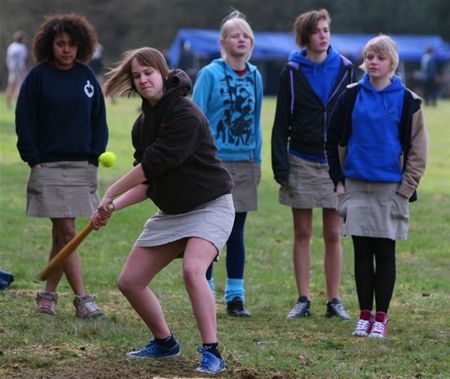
[364, 324]
[379, 327]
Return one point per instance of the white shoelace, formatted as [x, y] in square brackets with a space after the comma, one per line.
[378, 328]
[362, 325]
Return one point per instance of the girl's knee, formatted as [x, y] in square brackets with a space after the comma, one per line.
[191, 276]
[332, 237]
[126, 284]
[302, 236]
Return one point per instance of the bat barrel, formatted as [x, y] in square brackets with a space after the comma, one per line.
[64, 253]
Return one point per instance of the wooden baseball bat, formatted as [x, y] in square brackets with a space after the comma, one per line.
[64, 253]
[70, 247]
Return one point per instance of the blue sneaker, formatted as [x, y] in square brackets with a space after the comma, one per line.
[154, 350]
[210, 363]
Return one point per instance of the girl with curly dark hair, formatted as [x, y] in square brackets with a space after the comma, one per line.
[61, 128]
[81, 33]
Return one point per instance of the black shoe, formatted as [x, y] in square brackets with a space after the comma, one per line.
[336, 309]
[236, 308]
[301, 308]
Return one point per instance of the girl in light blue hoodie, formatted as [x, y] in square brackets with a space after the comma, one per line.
[229, 91]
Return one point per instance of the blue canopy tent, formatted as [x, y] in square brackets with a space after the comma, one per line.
[193, 48]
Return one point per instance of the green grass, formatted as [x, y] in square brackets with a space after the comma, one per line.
[264, 346]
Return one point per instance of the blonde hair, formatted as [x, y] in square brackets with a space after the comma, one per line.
[306, 24]
[236, 18]
[120, 79]
[382, 44]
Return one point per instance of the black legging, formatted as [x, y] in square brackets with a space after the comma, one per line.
[378, 279]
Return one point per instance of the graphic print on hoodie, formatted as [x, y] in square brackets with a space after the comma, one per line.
[235, 128]
[232, 104]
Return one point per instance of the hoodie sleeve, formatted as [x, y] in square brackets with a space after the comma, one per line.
[27, 120]
[99, 126]
[258, 127]
[202, 89]
[136, 139]
[416, 160]
[334, 134]
[280, 130]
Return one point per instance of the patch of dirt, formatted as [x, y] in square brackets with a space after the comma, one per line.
[171, 368]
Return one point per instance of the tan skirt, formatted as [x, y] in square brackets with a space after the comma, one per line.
[373, 210]
[309, 185]
[211, 221]
[246, 177]
[62, 190]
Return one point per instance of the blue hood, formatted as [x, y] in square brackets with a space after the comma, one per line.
[299, 56]
[321, 76]
[396, 85]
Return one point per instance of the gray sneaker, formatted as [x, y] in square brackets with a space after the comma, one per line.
[46, 302]
[301, 308]
[336, 309]
[86, 307]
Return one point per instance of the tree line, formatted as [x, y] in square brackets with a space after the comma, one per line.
[122, 24]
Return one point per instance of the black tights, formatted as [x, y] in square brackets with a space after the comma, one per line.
[378, 280]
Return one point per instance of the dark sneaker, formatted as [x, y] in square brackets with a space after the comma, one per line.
[336, 309]
[364, 324]
[155, 350]
[236, 308]
[46, 302]
[86, 307]
[210, 363]
[379, 327]
[301, 308]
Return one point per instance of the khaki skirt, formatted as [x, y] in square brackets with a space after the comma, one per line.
[373, 210]
[309, 185]
[211, 221]
[62, 190]
[246, 177]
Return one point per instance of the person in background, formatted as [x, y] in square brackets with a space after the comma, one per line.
[376, 148]
[176, 167]
[229, 91]
[96, 62]
[62, 130]
[429, 68]
[16, 63]
[310, 84]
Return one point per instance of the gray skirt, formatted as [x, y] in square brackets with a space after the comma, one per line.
[373, 210]
[246, 177]
[211, 221]
[62, 190]
[309, 185]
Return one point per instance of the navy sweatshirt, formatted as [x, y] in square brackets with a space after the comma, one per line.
[60, 116]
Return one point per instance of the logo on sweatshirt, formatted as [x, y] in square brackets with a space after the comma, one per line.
[89, 89]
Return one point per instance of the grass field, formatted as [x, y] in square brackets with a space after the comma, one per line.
[267, 345]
